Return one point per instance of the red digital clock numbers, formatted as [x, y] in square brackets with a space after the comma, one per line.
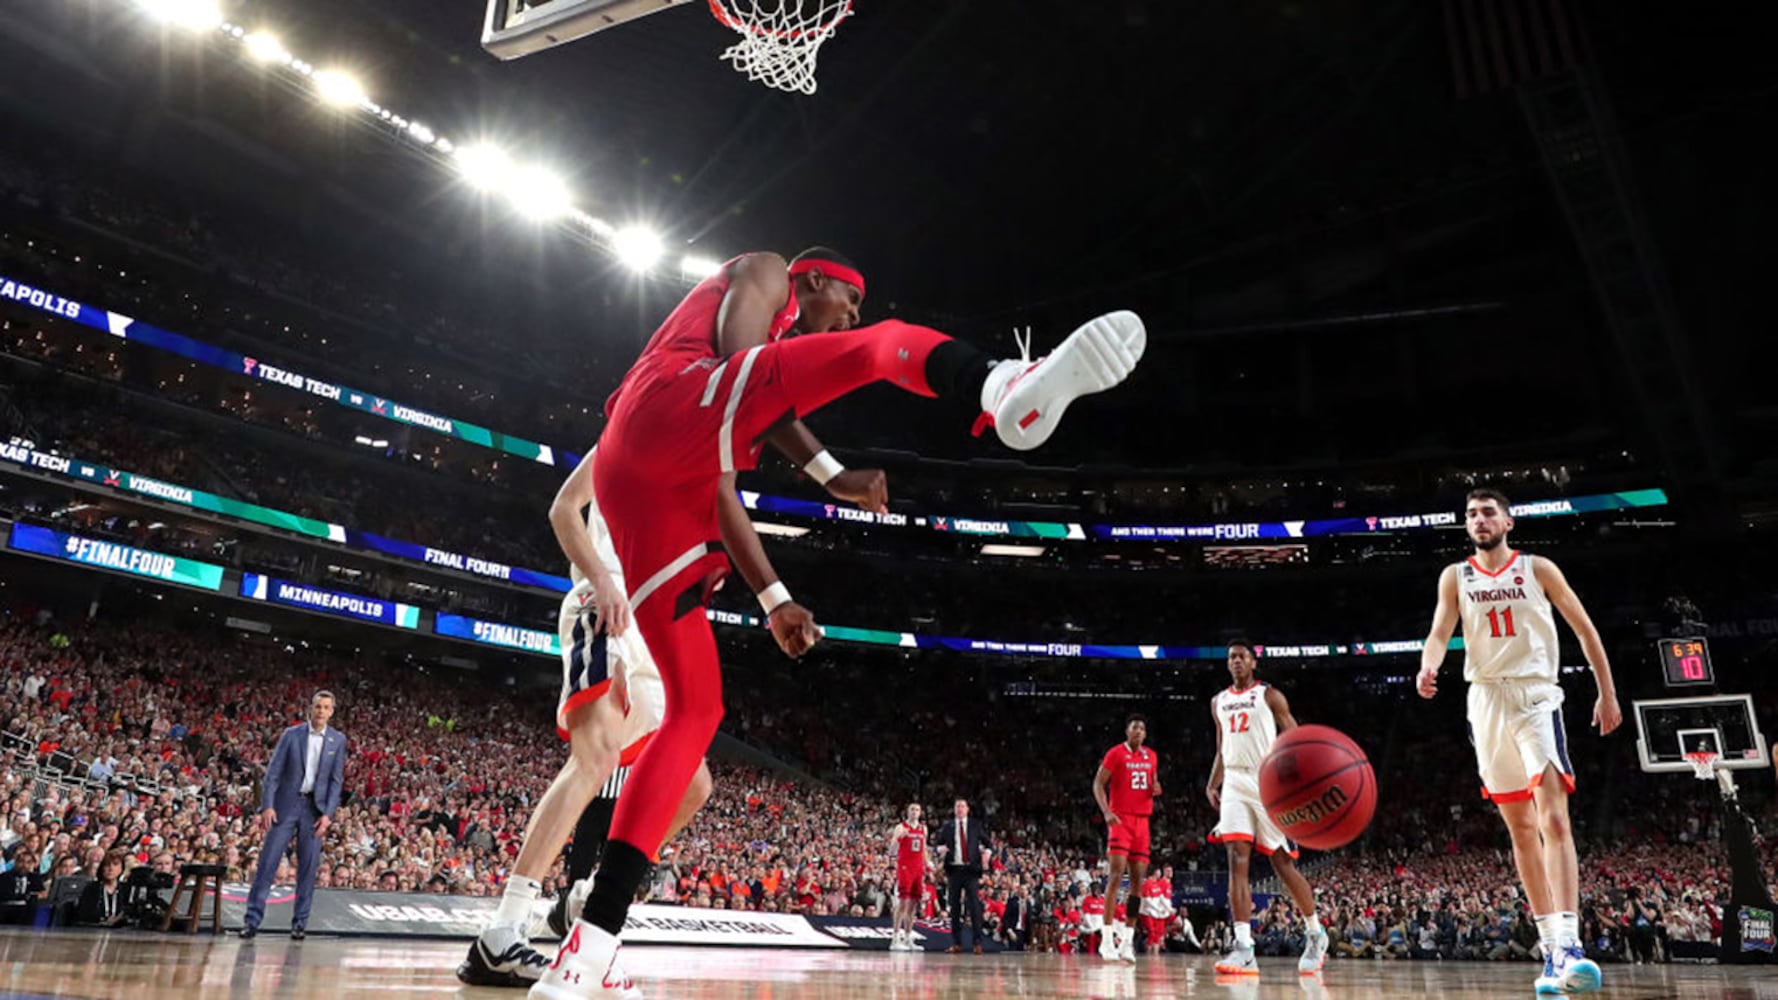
[1686, 662]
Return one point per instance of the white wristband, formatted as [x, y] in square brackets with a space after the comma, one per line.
[823, 467]
[773, 596]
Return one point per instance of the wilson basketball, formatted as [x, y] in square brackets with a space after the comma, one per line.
[1318, 786]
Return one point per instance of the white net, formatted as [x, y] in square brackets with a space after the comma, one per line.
[780, 38]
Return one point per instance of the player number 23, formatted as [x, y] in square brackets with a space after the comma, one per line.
[1138, 780]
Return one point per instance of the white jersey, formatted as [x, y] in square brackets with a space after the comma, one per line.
[1508, 631]
[1248, 728]
[603, 547]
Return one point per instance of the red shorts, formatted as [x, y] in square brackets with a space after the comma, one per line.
[1154, 929]
[909, 883]
[1129, 836]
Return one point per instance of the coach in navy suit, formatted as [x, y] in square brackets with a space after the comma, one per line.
[302, 789]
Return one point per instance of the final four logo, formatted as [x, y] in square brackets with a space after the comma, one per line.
[248, 364]
[1757, 930]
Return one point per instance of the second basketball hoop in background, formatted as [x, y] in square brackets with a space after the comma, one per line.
[778, 45]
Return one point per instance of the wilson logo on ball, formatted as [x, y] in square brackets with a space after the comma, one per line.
[1315, 810]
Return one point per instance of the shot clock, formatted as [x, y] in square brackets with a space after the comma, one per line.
[1686, 662]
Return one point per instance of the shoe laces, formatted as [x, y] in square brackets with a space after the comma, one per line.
[985, 420]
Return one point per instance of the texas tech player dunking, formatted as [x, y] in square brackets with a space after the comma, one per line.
[908, 839]
[716, 383]
[1510, 658]
[1249, 715]
[1125, 786]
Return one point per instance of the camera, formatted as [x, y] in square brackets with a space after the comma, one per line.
[144, 903]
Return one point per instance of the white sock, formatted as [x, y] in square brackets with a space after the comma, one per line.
[1243, 935]
[1568, 929]
[1313, 923]
[1549, 931]
[515, 902]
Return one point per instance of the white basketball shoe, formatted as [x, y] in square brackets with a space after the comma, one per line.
[586, 969]
[1024, 400]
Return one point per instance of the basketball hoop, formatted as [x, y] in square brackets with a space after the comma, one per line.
[1703, 764]
[779, 38]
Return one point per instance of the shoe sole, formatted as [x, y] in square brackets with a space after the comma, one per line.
[1583, 979]
[1229, 970]
[471, 976]
[1099, 355]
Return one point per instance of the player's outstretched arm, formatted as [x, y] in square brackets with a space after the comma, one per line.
[1102, 781]
[565, 518]
[1213, 790]
[1280, 707]
[792, 624]
[868, 488]
[1438, 641]
[1606, 713]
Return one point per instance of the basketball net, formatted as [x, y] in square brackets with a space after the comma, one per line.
[779, 38]
[1703, 764]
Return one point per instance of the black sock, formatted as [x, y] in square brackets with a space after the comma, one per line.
[620, 872]
[956, 370]
[589, 838]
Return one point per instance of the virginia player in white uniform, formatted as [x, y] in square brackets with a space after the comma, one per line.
[611, 704]
[1249, 716]
[1511, 658]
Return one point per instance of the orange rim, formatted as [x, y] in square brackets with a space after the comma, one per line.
[719, 10]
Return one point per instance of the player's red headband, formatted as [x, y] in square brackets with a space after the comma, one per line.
[830, 268]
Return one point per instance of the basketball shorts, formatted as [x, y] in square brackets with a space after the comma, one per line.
[1129, 836]
[1092, 923]
[592, 660]
[909, 883]
[1244, 818]
[1517, 730]
[1154, 929]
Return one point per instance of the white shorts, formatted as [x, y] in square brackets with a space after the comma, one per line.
[1516, 727]
[1244, 817]
[1092, 923]
[590, 661]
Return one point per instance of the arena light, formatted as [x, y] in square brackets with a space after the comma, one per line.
[266, 48]
[638, 247]
[698, 268]
[539, 194]
[196, 15]
[421, 133]
[1020, 551]
[338, 89]
[483, 165]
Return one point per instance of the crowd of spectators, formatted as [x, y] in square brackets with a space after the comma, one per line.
[169, 726]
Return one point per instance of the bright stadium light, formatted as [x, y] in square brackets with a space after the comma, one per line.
[266, 48]
[338, 89]
[483, 166]
[698, 268]
[638, 247]
[420, 132]
[539, 194]
[198, 15]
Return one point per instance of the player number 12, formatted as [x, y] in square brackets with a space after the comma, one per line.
[1238, 722]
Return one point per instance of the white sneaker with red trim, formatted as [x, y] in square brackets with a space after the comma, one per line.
[586, 969]
[1024, 400]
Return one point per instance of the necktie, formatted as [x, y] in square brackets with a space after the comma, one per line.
[961, 839]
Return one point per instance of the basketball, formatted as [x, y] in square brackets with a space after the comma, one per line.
[1318, 786]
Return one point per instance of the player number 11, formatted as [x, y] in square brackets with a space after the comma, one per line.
[1494, 621]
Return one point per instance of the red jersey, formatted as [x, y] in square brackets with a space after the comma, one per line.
[1131, 791]
[1093, 905]
[1157, 898]
[687, 337]
[910, 850]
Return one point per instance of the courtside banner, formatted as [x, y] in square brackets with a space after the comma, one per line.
[413, 914]
[115, 557]
[876, 933]
[124, 328]
[332, 602]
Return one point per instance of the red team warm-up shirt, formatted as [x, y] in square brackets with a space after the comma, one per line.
[1131, 790]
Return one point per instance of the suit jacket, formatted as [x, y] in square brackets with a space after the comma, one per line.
[284, 776]
[977, 839]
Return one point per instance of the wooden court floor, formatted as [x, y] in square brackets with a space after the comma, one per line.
[143, 966]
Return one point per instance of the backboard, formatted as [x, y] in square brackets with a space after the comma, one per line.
[1669, 728]
[520, 27]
